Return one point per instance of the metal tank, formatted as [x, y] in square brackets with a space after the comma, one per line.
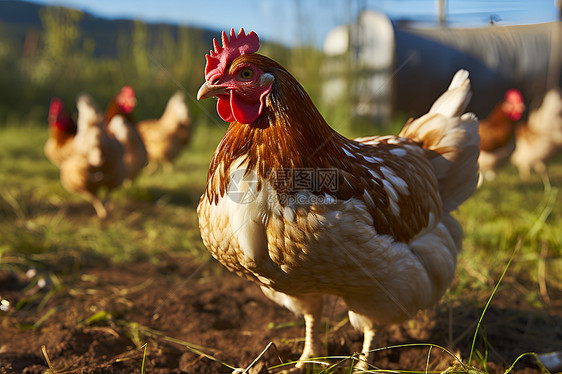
[392, 67]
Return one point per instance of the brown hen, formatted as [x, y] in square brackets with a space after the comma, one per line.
[303, 211]
[497, 140]
[120, 125]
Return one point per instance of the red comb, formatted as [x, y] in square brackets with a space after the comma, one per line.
[127, 91]
[56, 107]
[514, 95]
[218, 59]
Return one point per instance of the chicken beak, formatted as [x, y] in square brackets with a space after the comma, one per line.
[208, 90]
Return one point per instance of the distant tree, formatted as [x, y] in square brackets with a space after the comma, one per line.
[140, 51]
[189, 62]
[59, 38]
[61, 31]
[10, 78]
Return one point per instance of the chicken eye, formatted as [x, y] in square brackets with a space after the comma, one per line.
[246, 74]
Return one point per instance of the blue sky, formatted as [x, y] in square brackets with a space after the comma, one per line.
[277, 19]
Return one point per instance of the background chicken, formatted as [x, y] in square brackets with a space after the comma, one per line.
[367, 220]
[62, 130]
[164, 138]
[541, 137]
[497, 139]
[121, 104]
[121, 126]
[96, 160]
[135, 156]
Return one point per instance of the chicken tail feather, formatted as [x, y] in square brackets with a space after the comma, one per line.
[452, 141]
[453, 102]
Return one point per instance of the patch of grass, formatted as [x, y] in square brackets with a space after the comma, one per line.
[500, 213]
[41, 222]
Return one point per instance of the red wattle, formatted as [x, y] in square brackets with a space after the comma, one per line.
[243, 112]
[223, 109]
[515, 116]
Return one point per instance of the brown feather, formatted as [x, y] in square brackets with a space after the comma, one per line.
[292, 134]
[59, 145]
[496, 130]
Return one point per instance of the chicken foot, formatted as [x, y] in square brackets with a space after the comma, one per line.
[100, 208]
[364, 358]
[97, 204]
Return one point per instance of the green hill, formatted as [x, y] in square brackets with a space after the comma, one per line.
[48, 51]
[18, 19]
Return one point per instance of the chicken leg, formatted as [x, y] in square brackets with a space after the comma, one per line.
[100, 209]
[311, 307]
[368, 341]
[312, 344]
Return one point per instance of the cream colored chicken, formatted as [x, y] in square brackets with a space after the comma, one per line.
[165, 138]
[541, 138]
[303, 211]
[97, 159]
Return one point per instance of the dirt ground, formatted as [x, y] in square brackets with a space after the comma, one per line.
[97, 320]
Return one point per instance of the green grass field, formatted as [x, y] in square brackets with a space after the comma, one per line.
[40, 220]
[44, 226]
